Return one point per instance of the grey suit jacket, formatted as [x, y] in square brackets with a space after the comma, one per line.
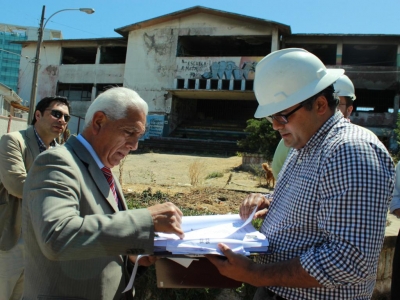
[74, 235]
[17, 153]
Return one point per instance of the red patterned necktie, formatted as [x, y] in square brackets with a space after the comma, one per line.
[110, 179]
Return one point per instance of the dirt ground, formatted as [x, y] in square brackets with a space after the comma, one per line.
[170, 174]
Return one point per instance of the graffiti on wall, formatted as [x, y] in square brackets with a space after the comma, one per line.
[154, 126]
[208, 68]
[227, 69]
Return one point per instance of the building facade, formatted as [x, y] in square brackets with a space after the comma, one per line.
[195, 69]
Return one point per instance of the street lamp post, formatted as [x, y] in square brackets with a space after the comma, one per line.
[43, 24]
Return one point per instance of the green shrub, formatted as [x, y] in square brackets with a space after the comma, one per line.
[396, 154]
[214, 175]
[262, 138]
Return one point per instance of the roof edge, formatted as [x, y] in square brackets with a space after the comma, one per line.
[194, 10]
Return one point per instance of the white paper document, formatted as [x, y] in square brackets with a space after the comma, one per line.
[202, 236]
[204, 233]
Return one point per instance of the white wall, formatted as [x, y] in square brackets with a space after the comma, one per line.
[15, 125]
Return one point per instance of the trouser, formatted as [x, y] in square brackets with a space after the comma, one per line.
[12, 272]
[263, 293]
[395, 288]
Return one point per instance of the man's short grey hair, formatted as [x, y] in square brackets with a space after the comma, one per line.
[115, 103]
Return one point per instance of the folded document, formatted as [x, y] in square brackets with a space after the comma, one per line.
[204, 233]
[202, 236]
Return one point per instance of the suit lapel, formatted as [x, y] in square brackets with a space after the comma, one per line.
[120, 193]
[31, 141]
[94, 170]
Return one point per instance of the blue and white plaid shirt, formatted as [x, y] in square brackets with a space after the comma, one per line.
[329, 208]
[41, 144]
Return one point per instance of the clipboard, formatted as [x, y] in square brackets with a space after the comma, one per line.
[200, 274]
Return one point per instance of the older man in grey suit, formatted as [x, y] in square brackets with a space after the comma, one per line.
[17, 153]
[78, 230]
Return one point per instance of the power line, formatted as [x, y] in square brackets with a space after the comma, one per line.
[14, 53]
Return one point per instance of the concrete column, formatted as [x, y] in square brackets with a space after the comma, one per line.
[94, 92]
[275, 39]
[395, 109]
[398, 56]
[1, 105]
[208, 85]
[339, 51]
[243, 85]
[98, 54]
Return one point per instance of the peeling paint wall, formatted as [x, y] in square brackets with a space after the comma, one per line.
[47, 74]
[112, 73]
[151, 63]
[52, 71]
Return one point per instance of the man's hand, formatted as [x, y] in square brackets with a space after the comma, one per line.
[144, 261]
[252, 201]
[167, 218]
[235, 266]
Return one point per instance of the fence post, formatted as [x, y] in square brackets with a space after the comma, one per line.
[9, 123]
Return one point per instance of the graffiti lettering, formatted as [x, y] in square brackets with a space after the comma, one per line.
[226, 69]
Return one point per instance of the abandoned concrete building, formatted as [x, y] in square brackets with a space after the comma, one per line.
[195, 69]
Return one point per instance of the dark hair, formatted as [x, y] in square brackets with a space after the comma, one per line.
[330, 96]
[45, 103]
[349, 101]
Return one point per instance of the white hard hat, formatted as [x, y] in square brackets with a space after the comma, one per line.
[344, 87]
[287, 77]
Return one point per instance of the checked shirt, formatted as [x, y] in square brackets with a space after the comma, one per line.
[329, 208]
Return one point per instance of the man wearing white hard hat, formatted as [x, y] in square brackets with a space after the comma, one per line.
[326, 219]
[344, 89]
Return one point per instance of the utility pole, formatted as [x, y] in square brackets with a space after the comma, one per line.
[32, 103]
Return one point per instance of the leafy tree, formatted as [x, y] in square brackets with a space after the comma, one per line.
[396, 154]
[261, 138]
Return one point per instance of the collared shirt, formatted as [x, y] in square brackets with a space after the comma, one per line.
[41, 144]
[329, 208]
[89, 148]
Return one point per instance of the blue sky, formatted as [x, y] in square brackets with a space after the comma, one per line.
[303, 16]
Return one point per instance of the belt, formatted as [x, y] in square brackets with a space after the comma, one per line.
[274, 296]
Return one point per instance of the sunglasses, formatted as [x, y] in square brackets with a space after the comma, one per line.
[58, 114]
[281, 118]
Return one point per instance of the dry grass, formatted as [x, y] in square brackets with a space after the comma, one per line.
[121, 169]
[196, 169]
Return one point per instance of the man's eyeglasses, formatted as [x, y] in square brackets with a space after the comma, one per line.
[59, 114]
[281, 118]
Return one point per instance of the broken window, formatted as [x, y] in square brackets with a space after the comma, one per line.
[369, 55]
[325, 52]
[79, 55]
[82, 92]
[105, 86]
[223, 46]
[75, 92]
[113, 55]
[374, 100]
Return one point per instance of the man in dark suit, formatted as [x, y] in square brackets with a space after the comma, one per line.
[78, 231]
[17, 153]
